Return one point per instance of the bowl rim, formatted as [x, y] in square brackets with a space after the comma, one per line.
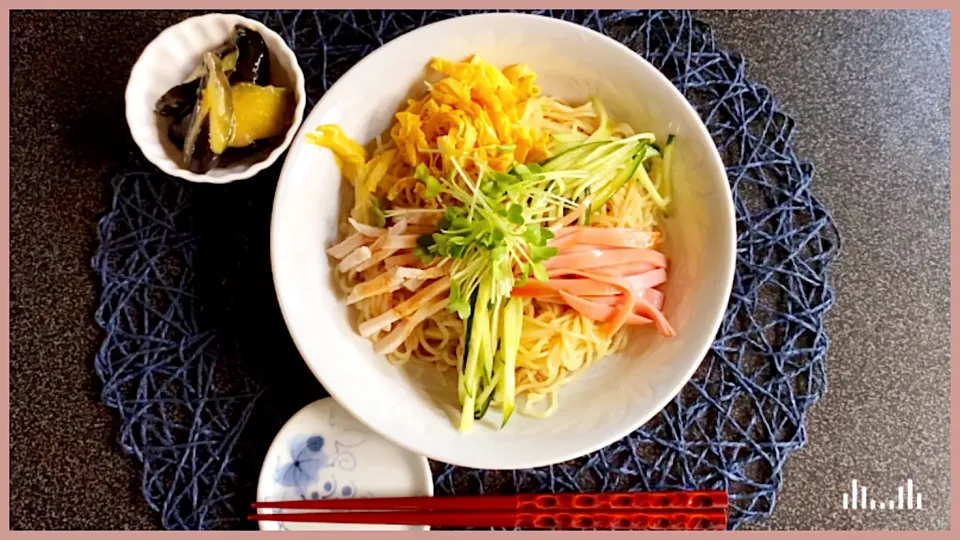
[725, 281]
[171, 168]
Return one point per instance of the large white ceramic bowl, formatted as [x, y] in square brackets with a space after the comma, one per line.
[169, 58]
[412, 406]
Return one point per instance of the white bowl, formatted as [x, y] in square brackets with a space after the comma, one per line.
[168, 59]
[412, 406]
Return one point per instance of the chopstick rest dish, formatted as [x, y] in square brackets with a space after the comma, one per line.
[323, 454]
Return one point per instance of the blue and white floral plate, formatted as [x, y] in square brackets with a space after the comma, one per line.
[324, 453]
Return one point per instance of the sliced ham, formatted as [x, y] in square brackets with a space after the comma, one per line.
[399, 241]
[628, 269]
[652, 296]
[579, 287]
[380, 252]
[406, 259]
[616, 236]
[398, 335]
[647, 280]
[367, 230]
[351, 261]
[348, 246]
[385, 319]
[623, 311]
[605, 257]
[413, 285]
[383, 283]
[598, 311]
[588, 287]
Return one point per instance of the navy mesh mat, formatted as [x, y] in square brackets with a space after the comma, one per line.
[195, 351]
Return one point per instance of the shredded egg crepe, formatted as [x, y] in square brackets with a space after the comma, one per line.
[502, 233]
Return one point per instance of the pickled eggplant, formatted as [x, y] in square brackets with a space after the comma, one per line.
[225, 110]
[178, 99]
[253, 58]
[179, 126]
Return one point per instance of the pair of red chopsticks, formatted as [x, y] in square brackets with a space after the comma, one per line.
[673, 510]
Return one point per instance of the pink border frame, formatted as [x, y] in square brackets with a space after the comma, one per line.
[430, 4]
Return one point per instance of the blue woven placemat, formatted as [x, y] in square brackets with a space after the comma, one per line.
[198, 364]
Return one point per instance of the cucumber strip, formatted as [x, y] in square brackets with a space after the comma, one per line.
[466, 415]
[512, 328]
[461, 388]
[620, 180]
[470, 380]
[480, 332]
[568, 158]
[494, 337]
[486, 398]
[603, 132]
[665, 179]
[498, 395]
[647, 183]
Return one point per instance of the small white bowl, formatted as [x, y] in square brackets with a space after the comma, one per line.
[168, 59]
[412, 405]
[324, 453]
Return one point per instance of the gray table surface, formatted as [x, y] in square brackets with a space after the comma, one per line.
[869, 90]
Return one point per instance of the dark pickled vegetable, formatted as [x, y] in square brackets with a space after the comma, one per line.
[193, 142]
[204, 122]
[203, 158]
[253, 59]
[179, 126]
[178, 100]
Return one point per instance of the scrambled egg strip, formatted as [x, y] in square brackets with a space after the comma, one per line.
[477, 112]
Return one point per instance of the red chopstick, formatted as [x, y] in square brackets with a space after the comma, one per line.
[684, 510]
[558, 520]
[676, 500]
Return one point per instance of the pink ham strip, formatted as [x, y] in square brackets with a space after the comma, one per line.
[608, 257]
[628, 269]
[586, 287]
[646, 308]
[610, 236]
[647, 280]
[643, 305]
[653, 296]
[598, 311]
[566, 241]
[580, 248]
[579, 287]
[623, 313]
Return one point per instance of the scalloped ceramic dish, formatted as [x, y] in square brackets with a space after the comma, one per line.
[324, 453]
[168, 59]
[414, 406]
